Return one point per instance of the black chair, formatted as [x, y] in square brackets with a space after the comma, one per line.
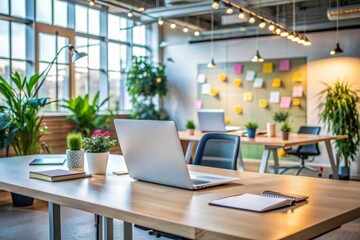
[305, 151]
[214, 150]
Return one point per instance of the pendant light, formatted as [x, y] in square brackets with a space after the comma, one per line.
[337, 49]
[212, 64]
[257, 57]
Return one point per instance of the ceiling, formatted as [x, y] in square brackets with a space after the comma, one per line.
[310, 15]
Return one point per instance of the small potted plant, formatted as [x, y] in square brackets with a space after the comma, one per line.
[251, 129]
[285, 129]
[281, 116]
[97, 148]
[74, 153]
[190, 126]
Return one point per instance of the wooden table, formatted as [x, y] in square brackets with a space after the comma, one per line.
[270, 145]
[187, 213]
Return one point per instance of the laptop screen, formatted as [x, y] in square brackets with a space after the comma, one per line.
[211, 120]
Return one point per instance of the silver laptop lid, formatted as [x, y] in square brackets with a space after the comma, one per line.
[153, 152]
[211, 120]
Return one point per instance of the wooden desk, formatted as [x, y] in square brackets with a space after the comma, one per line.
[270, 145]
[187, 213]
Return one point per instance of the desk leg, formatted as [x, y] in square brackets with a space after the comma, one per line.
[128, 231]
[264, 160]
[107, 228]
[54, 221]
[240, 161]
[189, 150]
[276, 161]
[331, 159]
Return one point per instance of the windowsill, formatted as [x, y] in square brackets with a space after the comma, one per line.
[65, 114]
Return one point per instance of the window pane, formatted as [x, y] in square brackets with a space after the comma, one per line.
[81, 83]
[123, 59]
[5, 69]
[63, 81]
[43, 11]
[20, 67]
[4, 6]
[4, 38]
[114, 56]
[123, 33]
[18, 8]
[61, 13]
[81, 19]
[18, 38]
[138, 51]
[64, 54]
[47, 47]
[94, 54]
[80, 41]
[94, 83]
[139, 35]
[114, 90]
[48, 89]
[94, 22]
[113, 27]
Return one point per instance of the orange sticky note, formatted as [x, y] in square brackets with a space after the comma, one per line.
[297, 77]
[268, 67]
[276, 82]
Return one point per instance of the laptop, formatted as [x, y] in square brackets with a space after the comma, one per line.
[153, 153]
[212, 120]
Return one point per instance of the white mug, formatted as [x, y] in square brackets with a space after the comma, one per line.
[271, 129]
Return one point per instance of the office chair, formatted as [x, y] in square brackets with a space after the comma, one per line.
[217, 150]
[305, 151]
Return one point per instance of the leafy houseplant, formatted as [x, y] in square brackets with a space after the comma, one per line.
[7, 132]
[251, 129]
[85, 113]
[340, 114]
[281, 116]
[97, 148]
[74, 153]
[190, 126]
[144, 82]
[285, 129]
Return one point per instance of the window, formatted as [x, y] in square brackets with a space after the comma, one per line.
[117, 28]
[53, 12]
[18, 8]
[87, 20]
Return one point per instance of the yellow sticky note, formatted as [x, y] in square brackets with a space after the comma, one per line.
[238, 109]
[297, 77]
[296, 101]
[227, 120]
[214, 92]
[263, 103]
[248, 96]
[237, 82]
[268, 67]
[222, 77]
[276, 82]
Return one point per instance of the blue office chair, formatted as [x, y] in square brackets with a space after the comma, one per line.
[305, 151]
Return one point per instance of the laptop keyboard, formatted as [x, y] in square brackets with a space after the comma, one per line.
[198, 182]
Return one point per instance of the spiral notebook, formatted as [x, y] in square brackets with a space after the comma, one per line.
[267, 201]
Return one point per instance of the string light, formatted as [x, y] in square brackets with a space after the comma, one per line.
[278, 31]
[185, 29]
[197, 33]
[271, 27]
[130, 14]
[173, 25]
[216, 4]
[160, 21]
[91, 3]
[141, 9]
[241, 14]
[262, 24]
[229, 10]
[252, 19]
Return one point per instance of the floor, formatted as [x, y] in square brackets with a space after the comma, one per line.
[79, 225]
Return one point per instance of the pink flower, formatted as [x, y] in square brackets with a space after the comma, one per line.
[106, 134]
[96, 133]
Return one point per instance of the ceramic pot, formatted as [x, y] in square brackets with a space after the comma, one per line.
[285, 135]
[191, 131]
[97, 162]
[344, 173]
[251, 133]
[75, 159]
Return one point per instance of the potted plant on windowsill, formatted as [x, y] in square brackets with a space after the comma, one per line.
[251, 129]
[97, 148]
[285, 130]
[190, 126]
[74, 153]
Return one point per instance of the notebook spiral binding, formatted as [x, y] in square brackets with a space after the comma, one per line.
[289, 196]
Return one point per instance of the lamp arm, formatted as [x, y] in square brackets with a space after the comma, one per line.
[47, 69]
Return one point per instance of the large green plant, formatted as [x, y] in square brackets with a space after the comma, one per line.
[7, 132]
[340, 114]
[20, 103]
[85, 113]
[144, 82]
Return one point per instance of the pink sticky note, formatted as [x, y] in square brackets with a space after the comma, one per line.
[238, 68]
[285, 102]
[198, 104]
[297, 91]
[284, 65]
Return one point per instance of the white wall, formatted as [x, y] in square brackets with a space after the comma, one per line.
[321, 66]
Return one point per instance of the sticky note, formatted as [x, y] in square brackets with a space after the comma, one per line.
[250, 75]
[263, 103]
[214, 92]
[274, 97]
[248, 96]
[297, 77]
[296, 101]
[268, 67]
[198, 104]
[222, 77]
[227, 120]
[206, 88]
[297, 91]
[238, 68]
[201, 78]
[237, 82]
[238, 109]
[276, 82]
[285, 102]
[258, 83]
[284, 65]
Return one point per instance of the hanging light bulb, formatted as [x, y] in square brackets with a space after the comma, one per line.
[271, 27]
[229, 9]
[295, 38]
[185, 29]
[290, 36]
[130, 14]
[91, 3]
[197, 33]
[141, 9]
[262, 24]
[257, 57]
[160, 21]
[307, 42]
[252, 19]
[278, 31]
[301, 40]
[211, 64]
[173, 25]
[241, 14]
[337, 50]
[216, 4]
